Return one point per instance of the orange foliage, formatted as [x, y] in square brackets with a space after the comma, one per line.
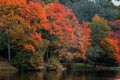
[111, 47]
[60, 20]
[118, 55]
[54, 18]
[35, 16]
[27, 19]
[29, 47]
[13, 2]
[36, 37]
[82, 39]
[65, 25]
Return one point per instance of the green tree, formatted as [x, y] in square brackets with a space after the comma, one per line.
[99, 30]
[118, 16]
[85, 10]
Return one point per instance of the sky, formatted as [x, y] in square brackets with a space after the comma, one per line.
[117, 3]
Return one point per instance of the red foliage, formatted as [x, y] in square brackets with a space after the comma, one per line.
[115, 24]
[115, 34]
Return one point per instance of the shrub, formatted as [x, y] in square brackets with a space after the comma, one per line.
[53, 64]
[21, 61]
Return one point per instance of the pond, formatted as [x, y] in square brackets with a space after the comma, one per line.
[66, 75]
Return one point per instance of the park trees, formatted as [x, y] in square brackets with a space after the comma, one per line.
[32, 31]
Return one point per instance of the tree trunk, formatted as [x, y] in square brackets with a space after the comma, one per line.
[66, 62]
[9, 53]
[47, 55]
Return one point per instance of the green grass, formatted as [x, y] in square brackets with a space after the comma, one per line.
[8, 69]
[81, 66]
[114, 68]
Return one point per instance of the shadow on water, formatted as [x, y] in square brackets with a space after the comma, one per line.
[66, 75]
[6, 75]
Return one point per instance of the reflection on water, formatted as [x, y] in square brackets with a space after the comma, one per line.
[6, 75]
[66, 75]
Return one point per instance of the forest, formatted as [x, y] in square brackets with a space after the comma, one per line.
[58, 34]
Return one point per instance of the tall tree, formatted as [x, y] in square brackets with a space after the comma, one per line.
[82, 39]
[62, 23]
[12, 25]
[99, 29]
[19, 23]
[67, 30]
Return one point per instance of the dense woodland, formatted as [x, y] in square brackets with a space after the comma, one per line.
[56, 33]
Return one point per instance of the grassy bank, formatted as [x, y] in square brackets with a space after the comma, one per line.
[81, 66]
[107, 68]
[54, 66]
[8, 69]
[5, 66]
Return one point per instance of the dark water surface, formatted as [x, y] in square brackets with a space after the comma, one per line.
[66, 75]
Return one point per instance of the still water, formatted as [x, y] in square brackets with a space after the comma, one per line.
[66, 75]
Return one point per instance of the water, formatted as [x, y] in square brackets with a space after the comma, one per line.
[66, 75]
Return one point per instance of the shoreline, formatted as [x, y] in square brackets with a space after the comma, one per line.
[97, 68]
[8, 69]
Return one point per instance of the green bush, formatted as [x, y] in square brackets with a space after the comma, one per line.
[53, 64]
[21, 61]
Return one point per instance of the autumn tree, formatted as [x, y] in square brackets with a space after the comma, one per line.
[11, 24]
[19, 23]
[115, 32]
[60, 27]
[82, 39]
[99, 30]
[30, 30]
[68, 32]
[36, 20]
[111, 55]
